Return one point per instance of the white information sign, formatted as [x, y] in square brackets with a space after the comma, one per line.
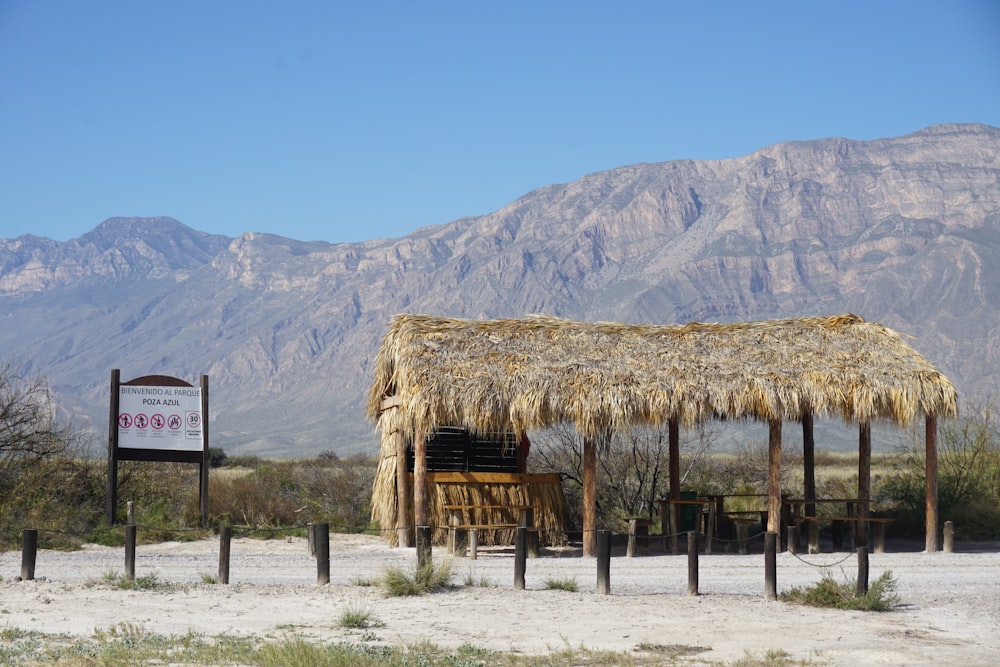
[160, 418]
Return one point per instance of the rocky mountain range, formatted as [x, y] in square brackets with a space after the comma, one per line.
[903, 231]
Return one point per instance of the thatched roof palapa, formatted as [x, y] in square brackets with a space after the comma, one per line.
[528, 373]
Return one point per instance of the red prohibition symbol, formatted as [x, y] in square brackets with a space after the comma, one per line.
[141, 421]
[124, 420]
[174, 422]
[157, 421]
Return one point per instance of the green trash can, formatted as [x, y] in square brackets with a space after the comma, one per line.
[687, 515]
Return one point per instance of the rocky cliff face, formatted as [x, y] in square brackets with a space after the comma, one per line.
[904, 231]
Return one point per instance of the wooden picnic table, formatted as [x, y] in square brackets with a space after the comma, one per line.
[669, 525]
[458, 527]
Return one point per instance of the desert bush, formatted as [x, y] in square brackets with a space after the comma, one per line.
[358, 617]
[563, 584]
[399, 582]
[293, 493]
[828, 592]
[471, 581]
[45, 483]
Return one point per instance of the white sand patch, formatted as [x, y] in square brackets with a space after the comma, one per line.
[951, 611]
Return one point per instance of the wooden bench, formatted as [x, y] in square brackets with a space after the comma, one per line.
[457, 528]
[814, 521]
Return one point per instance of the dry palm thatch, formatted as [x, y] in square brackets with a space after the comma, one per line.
[523, 374]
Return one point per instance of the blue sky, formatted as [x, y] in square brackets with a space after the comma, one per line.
[335, 121]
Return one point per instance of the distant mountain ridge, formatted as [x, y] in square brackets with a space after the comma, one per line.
[903, 231]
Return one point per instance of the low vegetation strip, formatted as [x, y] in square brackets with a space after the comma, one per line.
[129, 645]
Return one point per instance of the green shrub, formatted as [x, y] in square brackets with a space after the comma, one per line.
[881, 595]
[472, 582]
[968, 479]
[398, 582]
[358, 618]
[565, 584]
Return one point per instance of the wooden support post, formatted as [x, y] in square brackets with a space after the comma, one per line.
[473, 543]
[311, 538]
[864, 484]
[603, 539]
[675, 529]
[225, 541]
[589, 497]
[633, 527]
[880, 537]
[862, 571]
[949, 537]
[710, 529]
[665, 524]
[809, 480]
[454, 538]
[743, 536]
[420, 514]
[322, 553]
[423, 535]
[813, 536]
[527, 520]
[808, 464]
[774, 477]
[771, 565]
[130, 512]
[792, 541]
[130, 551]
[29, 550]
[404, 531]
[931, 484]
[674, 474]
[520, 554]
[692, 563]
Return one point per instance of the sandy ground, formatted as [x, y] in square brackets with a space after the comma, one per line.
[950, 612]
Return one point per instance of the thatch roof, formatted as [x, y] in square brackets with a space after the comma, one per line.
[528, 373]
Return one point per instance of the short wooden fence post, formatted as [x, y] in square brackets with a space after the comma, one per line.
[949, 537]
[528, 521]
[130, 551]
[771, 565]
[29, 549]
[633, 532]
[520, 554]
[692, 563]
[793, 540]
[880, 537]
[813, 536]
[473, 543]
[322, 553]
[604, 562]
[225, 540]
[311, 536]
[862, 571]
